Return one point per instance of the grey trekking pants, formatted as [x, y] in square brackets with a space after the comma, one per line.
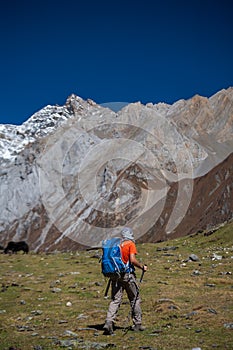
[127, 283]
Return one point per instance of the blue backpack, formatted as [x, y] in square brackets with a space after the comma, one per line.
[112, 263]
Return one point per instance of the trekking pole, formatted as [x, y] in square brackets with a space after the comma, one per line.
[136, 296]
[107, 289]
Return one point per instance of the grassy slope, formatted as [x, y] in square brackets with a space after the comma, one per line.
[185, 304]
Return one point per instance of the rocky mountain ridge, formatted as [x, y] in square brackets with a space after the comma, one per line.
[72, 175]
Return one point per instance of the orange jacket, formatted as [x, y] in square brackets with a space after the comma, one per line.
[127, 248]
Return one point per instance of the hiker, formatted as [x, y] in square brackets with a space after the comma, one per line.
[127, 282]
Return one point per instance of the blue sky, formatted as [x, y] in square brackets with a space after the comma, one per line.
[148, 51]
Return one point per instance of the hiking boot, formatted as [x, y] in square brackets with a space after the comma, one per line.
[138, 328]
[108, 328]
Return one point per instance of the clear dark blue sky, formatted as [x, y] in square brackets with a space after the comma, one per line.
[119, 50]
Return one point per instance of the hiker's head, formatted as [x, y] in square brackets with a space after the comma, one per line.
[127, 233]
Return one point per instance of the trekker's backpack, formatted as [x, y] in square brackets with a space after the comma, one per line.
[112, 263]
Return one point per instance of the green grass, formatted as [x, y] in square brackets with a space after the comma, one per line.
[185, 304]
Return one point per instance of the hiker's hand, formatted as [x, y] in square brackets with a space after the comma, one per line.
[144, 268]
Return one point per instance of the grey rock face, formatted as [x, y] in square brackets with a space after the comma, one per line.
[72, 175]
